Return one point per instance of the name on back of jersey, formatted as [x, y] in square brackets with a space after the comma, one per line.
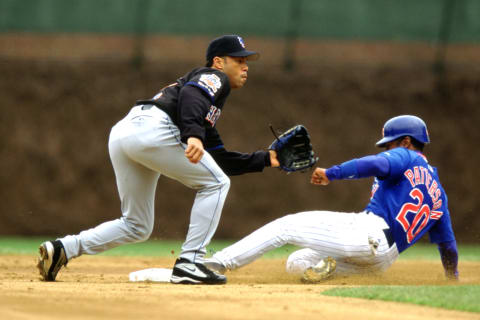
[414, 216]
[421, 175]
[210, 82]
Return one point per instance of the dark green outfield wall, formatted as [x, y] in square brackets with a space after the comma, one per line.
[404, 20]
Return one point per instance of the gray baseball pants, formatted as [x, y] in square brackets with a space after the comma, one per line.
[143, 146]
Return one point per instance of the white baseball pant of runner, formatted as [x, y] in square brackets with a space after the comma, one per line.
[143, 146]
[355, 240]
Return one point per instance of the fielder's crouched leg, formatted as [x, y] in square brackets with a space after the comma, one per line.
[190, 266]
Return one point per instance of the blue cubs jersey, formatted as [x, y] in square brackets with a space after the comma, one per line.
[411, 199]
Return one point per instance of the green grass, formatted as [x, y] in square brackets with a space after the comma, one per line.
[166, 248]
[173, 248]
[426, 251]
[462, 298]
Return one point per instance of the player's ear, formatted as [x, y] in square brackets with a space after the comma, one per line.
[218, 63]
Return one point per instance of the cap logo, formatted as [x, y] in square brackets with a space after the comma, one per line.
[241, 42]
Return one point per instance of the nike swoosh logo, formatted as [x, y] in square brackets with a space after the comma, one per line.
[194, 270]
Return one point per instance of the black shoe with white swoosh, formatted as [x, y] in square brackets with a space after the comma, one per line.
[52, 259]
[186, 272]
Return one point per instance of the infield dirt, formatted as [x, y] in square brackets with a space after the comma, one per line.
[98, 288]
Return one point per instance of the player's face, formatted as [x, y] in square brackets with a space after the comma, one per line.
[236, 69]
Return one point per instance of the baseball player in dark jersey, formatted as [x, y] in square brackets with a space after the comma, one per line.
[173, 134]
[407, 202]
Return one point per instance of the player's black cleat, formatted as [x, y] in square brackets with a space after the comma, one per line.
[52, 259]
[186, 272]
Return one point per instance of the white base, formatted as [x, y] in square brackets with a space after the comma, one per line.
[152, 274]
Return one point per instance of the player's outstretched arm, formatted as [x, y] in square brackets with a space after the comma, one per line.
[236, 163]
[368, 166]
[449, 255]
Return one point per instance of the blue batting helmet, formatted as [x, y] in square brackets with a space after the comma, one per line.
[402, 126]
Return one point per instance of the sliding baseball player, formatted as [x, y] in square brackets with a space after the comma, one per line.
[407, 202]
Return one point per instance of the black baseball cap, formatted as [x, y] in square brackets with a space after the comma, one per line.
[230, 45]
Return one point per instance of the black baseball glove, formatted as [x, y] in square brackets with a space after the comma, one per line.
[294, 150]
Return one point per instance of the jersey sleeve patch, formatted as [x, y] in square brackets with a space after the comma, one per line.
[213, 84]
[210, 83]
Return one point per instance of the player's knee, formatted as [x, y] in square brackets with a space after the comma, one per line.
[144, 233]
[225, 183]
[292, 265]
[221, 183]
[300, 260]
[296, 264]
[139, 231]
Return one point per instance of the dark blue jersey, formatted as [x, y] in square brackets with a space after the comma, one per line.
[411, 199]
[194, 103]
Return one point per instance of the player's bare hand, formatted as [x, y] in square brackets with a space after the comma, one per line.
[194, 151]
[273, 159]
[319, 177]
